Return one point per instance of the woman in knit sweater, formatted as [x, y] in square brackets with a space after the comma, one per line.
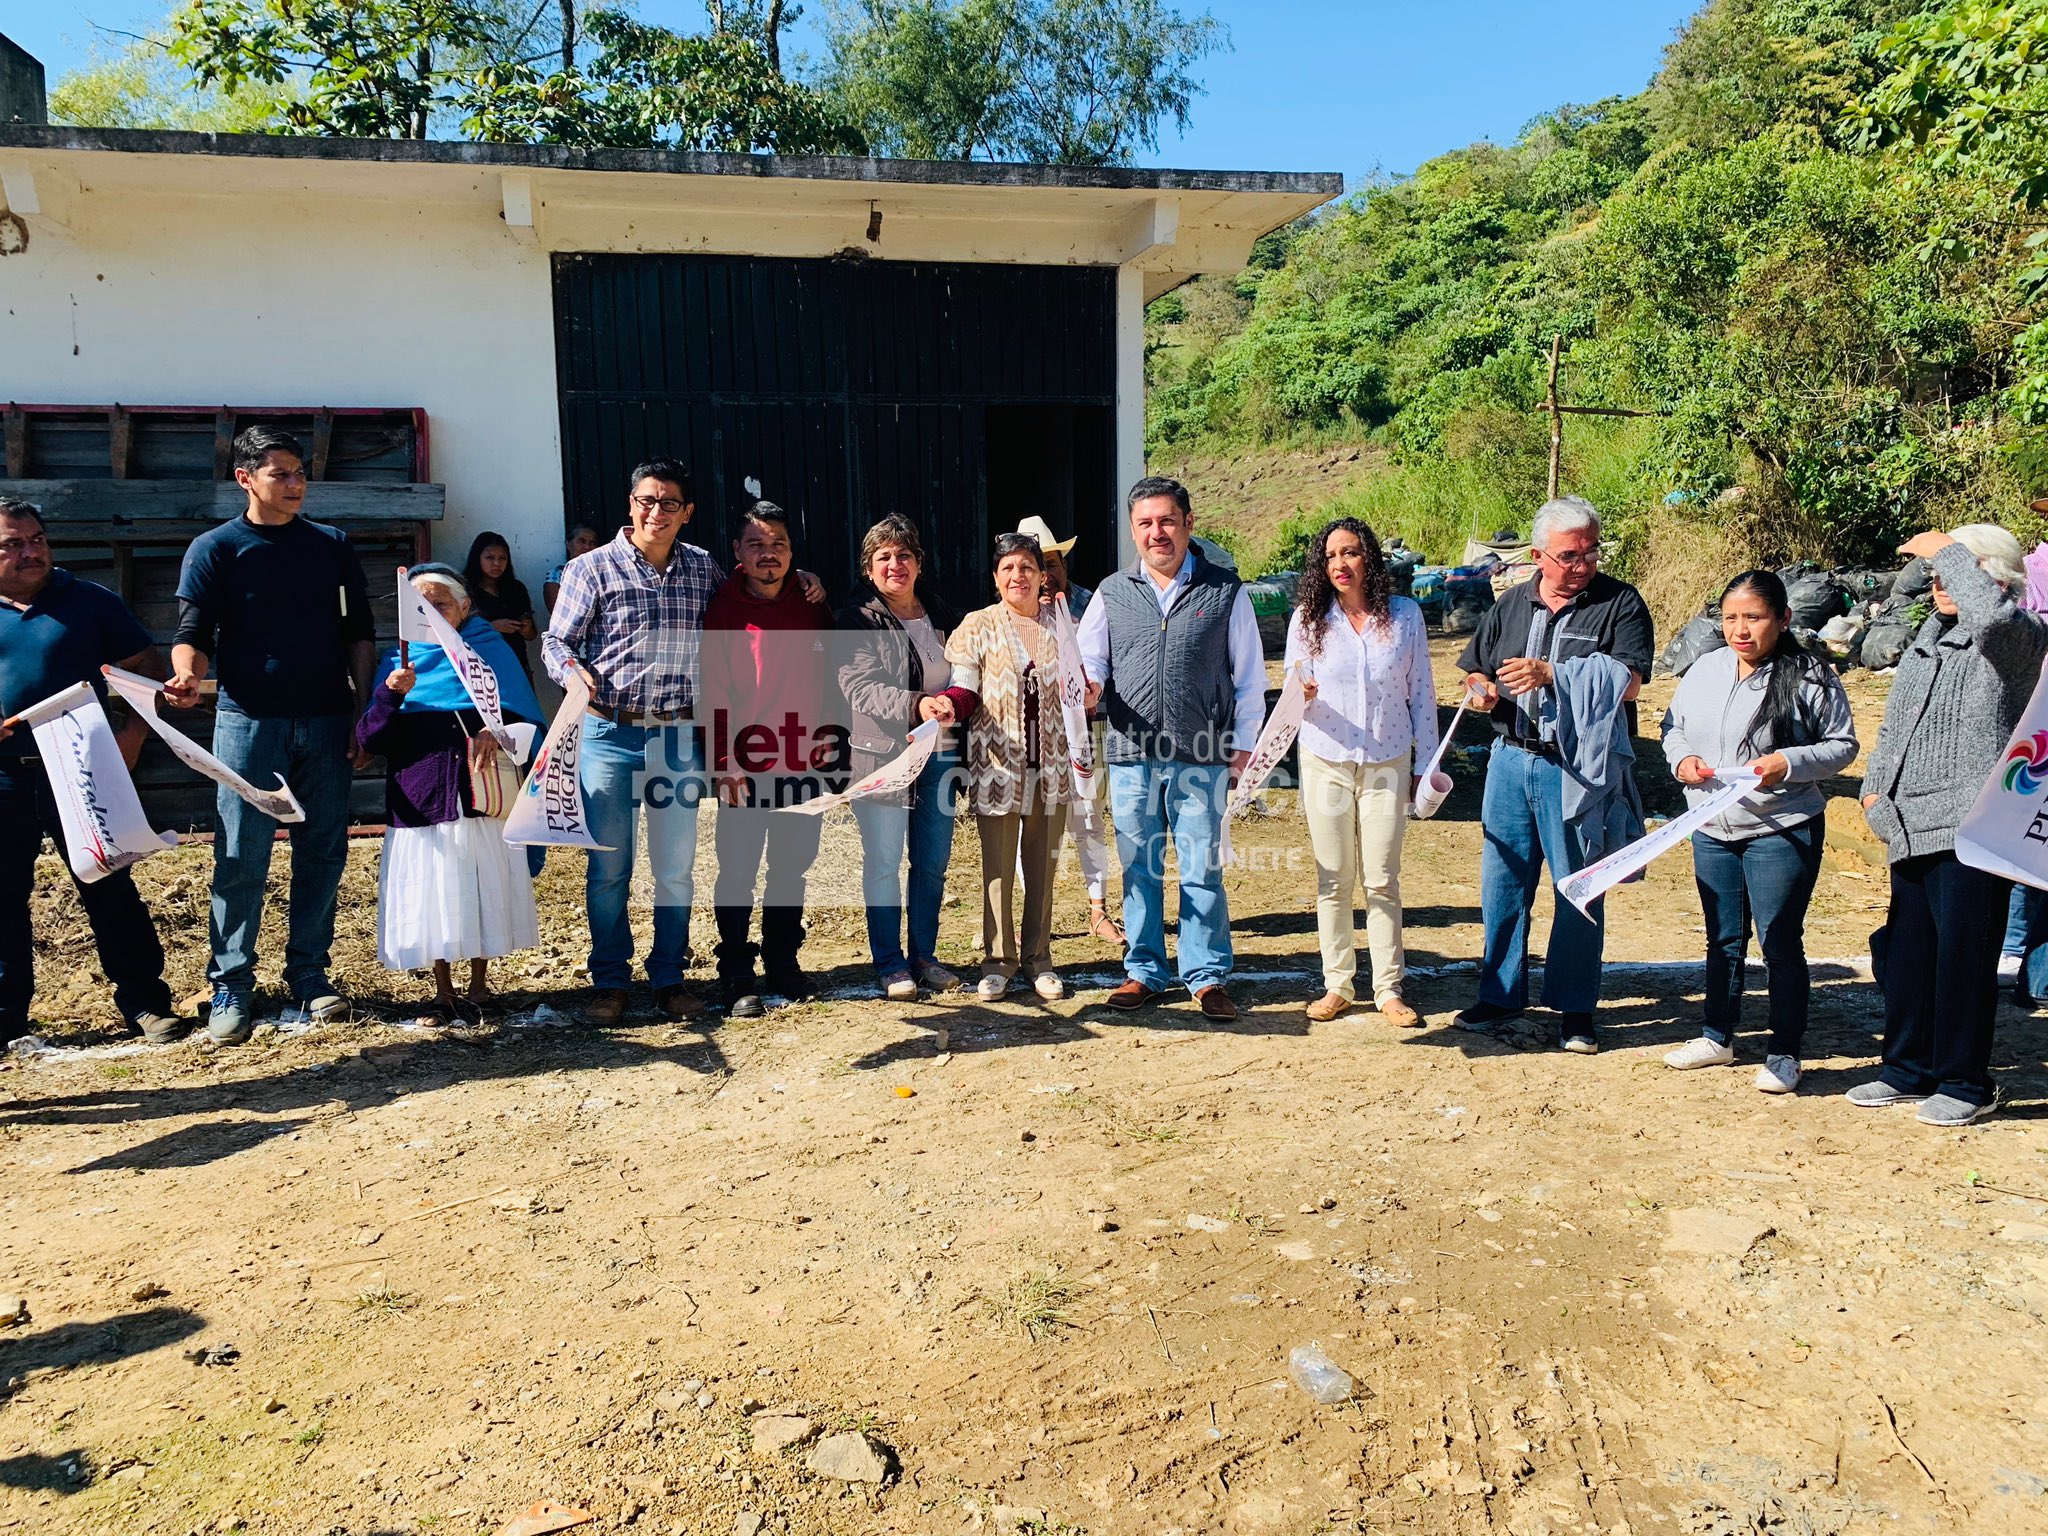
[449, 886]
[1005, 661]
[1765, 703]
[1960, 689]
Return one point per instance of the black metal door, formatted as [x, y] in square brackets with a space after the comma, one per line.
[848, 389]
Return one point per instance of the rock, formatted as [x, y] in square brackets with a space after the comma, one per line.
[780, 1431]
[1197, 1222]
[13, 1311]
[850, 1458]
[2012, 1232]
[149, 1290]
[705, 1400]
[273, 1405]
[1715, 1234]
[1299, 1253]
[1100, 1223]
[748, 1524]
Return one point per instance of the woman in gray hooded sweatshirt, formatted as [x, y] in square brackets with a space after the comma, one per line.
[1762, 702]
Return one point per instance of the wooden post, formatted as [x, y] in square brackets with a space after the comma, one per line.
[1556, 418]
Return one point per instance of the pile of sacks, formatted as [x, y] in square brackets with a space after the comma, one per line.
[1860, 617]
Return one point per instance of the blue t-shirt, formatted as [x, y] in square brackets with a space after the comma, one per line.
[276, 609]
[64, 636]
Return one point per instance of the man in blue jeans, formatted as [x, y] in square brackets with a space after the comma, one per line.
[57, 631]
[1568, 612]
[1171, 648]
[276, 605]
[629, 619]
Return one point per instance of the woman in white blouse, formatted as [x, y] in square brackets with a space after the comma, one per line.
[1370, 723]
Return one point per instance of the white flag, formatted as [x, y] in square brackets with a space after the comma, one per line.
[1074, 715]
[549, 809]
[280, 804]
[899, 773]
[417, 620]
[2006, 831]
[104, 826]
[1588, 885]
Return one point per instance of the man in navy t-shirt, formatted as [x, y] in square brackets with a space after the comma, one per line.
[277, 606]
[55, 631]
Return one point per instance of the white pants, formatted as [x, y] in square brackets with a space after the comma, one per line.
[1357, 813]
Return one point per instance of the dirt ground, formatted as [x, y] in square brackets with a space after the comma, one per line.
[1053, 1259]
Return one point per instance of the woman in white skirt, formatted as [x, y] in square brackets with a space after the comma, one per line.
[450, 887]
[1369, 727]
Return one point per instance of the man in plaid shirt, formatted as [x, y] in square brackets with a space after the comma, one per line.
[629, 619]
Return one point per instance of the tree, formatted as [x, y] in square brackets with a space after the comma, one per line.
[648, 86]
[371, 68]
[141, 86]
[1071, 82]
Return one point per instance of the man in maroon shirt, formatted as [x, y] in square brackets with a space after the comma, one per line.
[769, 742]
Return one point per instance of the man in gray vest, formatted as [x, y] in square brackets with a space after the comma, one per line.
[1172, 652]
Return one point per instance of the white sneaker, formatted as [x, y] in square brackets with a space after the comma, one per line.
[936, 977]
[1048, 985]
[2009, 967]
[992, 987]
[897, 987]
[1700, 1053]
[1778, 1074]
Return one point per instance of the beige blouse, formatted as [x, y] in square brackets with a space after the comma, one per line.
[988, 652]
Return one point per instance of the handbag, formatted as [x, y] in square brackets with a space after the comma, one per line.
[493, 783]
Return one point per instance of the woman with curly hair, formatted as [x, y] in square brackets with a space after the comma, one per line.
[1371, 721]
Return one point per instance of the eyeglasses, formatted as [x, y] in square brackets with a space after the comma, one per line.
[668, 504]
[1581, 559]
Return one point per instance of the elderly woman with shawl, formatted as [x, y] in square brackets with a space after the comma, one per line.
[450, 887]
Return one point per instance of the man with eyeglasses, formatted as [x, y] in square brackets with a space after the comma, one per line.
[276, 606]
[630, 620]
[1568, 614]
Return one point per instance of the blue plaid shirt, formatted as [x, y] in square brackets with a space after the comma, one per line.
[636, 629]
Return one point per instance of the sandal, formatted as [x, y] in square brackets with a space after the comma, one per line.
[470, 1010]
[1102, 926]
[442, 1010]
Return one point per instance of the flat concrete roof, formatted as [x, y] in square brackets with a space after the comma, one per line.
[556, 157]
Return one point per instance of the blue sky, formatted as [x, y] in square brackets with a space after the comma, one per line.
[1309, 84]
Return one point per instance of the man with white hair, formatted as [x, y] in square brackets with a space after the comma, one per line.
[1569, 613]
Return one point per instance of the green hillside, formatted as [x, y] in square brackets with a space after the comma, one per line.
[1806, 246]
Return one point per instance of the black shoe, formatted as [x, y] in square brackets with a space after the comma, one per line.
[741, 1001]
[792, 982]
[1485, 1016]
[1576, 1030]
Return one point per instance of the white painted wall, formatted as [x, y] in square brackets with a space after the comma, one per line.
[1130, 399]
[165, 299]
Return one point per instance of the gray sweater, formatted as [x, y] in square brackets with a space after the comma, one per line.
[1712, 712]
[1960, 690]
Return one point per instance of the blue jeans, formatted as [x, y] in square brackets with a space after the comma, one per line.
[925, 827]
[1767, 881]
[1148, 802]
[622, 767]
[2026, 935]
[311, 754]
[1522, 814]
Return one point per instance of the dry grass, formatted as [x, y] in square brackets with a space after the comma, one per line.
[1035, 1304]
[1687, 557]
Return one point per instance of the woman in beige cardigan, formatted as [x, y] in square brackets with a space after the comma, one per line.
[1019, 783]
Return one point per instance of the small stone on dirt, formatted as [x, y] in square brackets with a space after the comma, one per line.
[1197, 1222]
[748, 1524]
[780, 1431]
[13, 1311]
[850, 1458]
[273, 1405]
[149, 1290]
[1299, 1253]
[705, 1399]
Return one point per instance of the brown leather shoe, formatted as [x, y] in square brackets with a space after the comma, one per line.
[1132, 994]
[679, 1002]
[1327, 1007]
[1398, 1013]
[606, 1007]
[1216, 1003]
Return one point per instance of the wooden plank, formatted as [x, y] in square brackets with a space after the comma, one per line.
[207, 501]
[224, 445]
[323, 444]
[120, 443]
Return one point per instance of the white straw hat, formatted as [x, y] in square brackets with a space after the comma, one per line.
[1047, 544]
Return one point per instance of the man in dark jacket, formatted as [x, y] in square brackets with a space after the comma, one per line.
[57, 631]
[769, 743]
[1171, 648]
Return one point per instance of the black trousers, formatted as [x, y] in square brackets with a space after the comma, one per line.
[741, 838]
[1940, 980]
[130, 954]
